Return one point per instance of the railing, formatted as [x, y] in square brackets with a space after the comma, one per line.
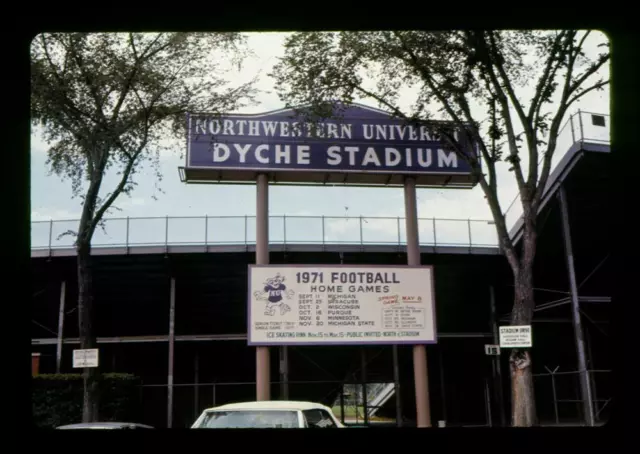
[234, 230]
[580, 127]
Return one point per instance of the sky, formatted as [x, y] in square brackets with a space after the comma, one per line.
[51, 196]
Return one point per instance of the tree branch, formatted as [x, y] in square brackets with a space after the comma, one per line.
[138, 61]
[505, 240]
[589, 72]
[62, 85]
[133, 46]
[587, 90]
[86, 228]
[151, 44]
[428, 79]
[565, 102]
[569, 88]
[497, 60]
[88, 81]
[491, 195]
[555, 123]
[584, 38]
[127, 84]
[547, 76]
[545, 94]
[119, 188]
[487, 69]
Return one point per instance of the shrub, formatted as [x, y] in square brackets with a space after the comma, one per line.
[57, 399]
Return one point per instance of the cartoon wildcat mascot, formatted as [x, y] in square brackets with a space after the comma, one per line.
[274, 291]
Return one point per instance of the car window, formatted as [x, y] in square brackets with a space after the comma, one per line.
[318, 418]
[249, 419]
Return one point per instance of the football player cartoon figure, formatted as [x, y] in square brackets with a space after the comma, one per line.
[274, 291]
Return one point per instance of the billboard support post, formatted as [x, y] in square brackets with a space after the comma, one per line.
[219, 151]
[263, 373]
[585, 386]
[421, 377]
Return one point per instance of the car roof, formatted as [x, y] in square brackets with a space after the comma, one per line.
[105, 425]
[271, 405]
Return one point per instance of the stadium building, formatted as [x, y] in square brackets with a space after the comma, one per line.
[172, 309]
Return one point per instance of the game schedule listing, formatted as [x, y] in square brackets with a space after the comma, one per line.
[294, 304]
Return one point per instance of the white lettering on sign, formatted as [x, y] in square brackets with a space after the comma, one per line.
[447, 159]
[334, 155]
[242, 151]
[392, 161]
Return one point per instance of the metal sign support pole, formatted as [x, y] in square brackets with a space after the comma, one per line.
[284, 373]
[63, 292]
[172, 325]
[443, 389]
[196, 388]
[585, 386]
[497, 369]
[396, 382]
[420, 373]
[263, 369]
[363, 379]
[488, 403]
[342, 403]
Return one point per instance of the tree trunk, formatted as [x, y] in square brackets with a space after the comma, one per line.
[87, 338]
[523, 407]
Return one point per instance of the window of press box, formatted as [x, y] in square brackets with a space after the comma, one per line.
[598, 120]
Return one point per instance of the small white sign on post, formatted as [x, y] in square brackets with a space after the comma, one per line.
[85, 358]
[492, 350]
[515, 336]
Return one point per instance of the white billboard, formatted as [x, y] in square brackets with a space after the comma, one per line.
[340, 304]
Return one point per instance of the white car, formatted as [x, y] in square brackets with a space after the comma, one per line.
[268, 414]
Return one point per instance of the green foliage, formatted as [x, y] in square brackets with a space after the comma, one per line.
[111, 101]
[464, 77]
[108, 102]
[57, 399]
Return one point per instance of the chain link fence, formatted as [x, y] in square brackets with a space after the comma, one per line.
[558, 400]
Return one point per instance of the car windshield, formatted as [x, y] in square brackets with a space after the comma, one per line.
[249, 419]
